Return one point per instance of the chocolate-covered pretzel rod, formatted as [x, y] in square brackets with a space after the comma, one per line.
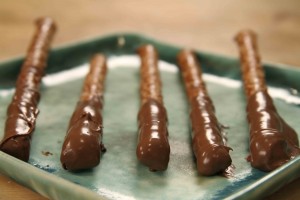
[83, 143]
[272, 141]
[208, 137]
[153, 149]
[22, 111]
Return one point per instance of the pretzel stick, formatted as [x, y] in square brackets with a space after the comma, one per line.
[153, 149]
[22, 111]
[272, 141]
[83, 143]
[208, 137]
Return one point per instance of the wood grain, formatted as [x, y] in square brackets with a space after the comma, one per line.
[207, 25]
[12, 190]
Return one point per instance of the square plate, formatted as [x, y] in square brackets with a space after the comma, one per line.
[120, 175]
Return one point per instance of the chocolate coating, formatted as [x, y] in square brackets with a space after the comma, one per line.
[83, 146]
[22, 111]
[208, 137]
[153, 149]
[272, 141]
[150, 86]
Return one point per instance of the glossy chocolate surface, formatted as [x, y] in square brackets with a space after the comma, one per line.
[83, 146]
[272, 141]
[23, 111]
[208, 136]
[153, 149]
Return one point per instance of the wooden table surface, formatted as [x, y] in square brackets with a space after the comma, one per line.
[207, 25]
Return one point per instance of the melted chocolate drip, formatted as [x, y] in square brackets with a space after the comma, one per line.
[23, 111]
[208, 137]
[153, 149]
[272, 141]
[82, 146]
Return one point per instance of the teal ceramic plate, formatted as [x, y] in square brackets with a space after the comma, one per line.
[119, 175]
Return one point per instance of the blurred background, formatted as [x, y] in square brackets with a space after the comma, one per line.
[206, 25]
